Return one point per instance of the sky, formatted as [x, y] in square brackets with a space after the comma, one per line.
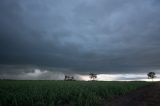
[47, 39]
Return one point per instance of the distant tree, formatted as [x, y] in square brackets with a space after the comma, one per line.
[92, 76]
[69, 78]
[151, 75]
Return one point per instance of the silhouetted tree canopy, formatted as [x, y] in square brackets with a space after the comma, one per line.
[92, 76]
[151, 75]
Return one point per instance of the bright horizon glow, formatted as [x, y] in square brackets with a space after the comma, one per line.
[121, 77]
[38, 74]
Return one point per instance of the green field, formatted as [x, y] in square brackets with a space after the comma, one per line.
[61, 93]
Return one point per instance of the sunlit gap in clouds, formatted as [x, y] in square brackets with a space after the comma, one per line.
[46, 74]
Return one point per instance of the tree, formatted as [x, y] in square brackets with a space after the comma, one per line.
[69, 78]
[151, 75]
[92, 76]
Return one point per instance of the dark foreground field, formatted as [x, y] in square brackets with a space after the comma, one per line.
[63, 93]
[145, 96]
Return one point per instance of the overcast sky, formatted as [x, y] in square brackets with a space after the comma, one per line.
[79, 36]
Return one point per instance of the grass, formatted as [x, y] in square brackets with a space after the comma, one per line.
[61, 93]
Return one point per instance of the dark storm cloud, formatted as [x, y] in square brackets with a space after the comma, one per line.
[83, 35]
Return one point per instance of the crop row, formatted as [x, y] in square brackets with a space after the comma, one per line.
[61, 93]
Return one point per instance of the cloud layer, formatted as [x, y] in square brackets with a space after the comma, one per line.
[81, 36]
